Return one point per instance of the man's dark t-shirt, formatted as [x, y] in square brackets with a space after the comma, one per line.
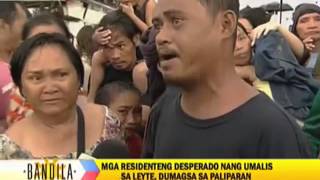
[111, 74]
[256, 129]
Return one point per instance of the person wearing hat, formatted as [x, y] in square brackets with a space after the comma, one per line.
[306, 26]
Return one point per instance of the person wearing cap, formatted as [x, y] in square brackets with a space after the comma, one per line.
[306, 26]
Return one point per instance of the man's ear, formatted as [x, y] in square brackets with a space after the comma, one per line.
[229, 21]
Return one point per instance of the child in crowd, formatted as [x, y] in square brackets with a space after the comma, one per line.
[124, 100]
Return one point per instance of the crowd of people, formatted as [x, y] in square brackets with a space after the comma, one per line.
[165, 79]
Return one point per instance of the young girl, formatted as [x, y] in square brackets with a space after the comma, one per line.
[124, 100]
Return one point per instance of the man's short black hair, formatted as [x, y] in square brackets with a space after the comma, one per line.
[119, 21]
[23, 52]
[214, 6]
[8, 11]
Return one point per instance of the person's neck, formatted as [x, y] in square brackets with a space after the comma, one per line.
[52, 123]
[216, 95]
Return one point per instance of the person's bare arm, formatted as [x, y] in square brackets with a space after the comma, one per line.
[128, 10]
[149, 12]
[102, 38]
[97, 74]
[295, 43]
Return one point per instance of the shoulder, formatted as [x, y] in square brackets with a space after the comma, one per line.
[274, 121]
[140, 67]
[93, 113]
[166, 100]
[265, 108]
[139, 76]
[94, 110]
[261, 112]
[10, 150]
[279, 132]
[17, 130]
[91, 108]
[151, 3]
[100, 117]
[140, 70]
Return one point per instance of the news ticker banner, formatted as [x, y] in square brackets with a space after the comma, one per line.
[160, 169]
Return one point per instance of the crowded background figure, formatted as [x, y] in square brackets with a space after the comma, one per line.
[125, 101]
[49, 72]
[220, 82]
[12, 19]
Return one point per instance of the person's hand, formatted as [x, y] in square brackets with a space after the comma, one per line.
[263, 30]
[101, 36]
[309, 43]
[127, 9]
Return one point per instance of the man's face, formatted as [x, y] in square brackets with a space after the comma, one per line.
[309, 26]
[187, 40]
[121, 51]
